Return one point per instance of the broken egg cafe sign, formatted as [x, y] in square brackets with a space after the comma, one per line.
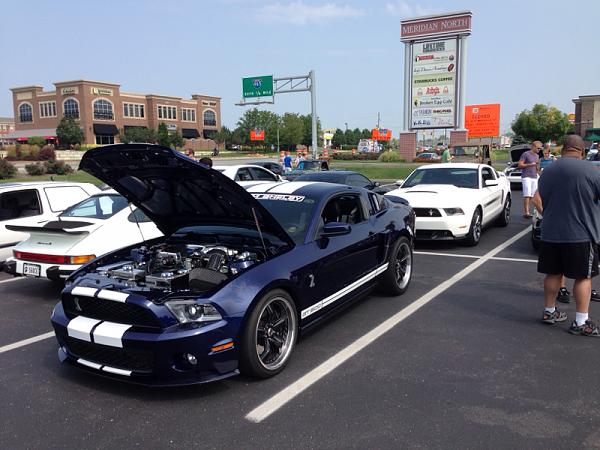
[434, 68]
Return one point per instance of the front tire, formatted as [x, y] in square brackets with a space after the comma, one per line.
[474, 235]
[504, 217]
[269, 336]
[396, 278]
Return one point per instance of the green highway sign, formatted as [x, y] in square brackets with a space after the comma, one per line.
[257, 86]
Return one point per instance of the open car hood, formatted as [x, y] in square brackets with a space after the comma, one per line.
[175, 191]
[517, 151]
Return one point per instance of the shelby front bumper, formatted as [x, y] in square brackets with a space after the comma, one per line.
[442, 228]
[167, 358]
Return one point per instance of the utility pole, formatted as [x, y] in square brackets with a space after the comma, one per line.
[313, 111]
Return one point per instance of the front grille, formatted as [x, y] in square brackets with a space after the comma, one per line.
[120, 358]
[433, 234]
[427, 212]
[111, 311]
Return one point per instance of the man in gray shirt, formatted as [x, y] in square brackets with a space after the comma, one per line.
[529, 165]
[569, 194]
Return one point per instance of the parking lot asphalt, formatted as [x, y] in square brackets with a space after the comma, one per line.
[468, 365]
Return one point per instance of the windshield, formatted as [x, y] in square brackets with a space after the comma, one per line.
[293, 212]
[97, 207]
[464, 178]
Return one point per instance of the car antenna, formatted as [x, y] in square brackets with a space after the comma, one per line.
[137, 223]
[259, 230]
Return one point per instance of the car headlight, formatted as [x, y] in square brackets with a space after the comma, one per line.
[454, 211]
[190, 311]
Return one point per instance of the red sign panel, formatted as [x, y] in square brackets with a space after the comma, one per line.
[440, 25]
[381, 134]
[483, 120]
[257, 135]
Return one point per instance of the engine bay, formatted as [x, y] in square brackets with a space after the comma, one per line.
[170, 267]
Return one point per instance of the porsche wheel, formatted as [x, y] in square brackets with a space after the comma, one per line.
[269, 336]
[474, 235]
[396, 278]
[504, 216]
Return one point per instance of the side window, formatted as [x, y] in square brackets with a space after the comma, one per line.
[243, 175]
[138, 216]
[17, 204]
[375, 203]
[60, 198]
[345, 208]
[262, 175]
[487, 174]
[358, 180]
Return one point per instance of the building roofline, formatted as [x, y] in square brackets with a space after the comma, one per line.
[86, 81]
[22, 88]
[164, 96]
[205, 95]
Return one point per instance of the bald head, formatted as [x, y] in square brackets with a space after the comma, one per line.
[573, 143]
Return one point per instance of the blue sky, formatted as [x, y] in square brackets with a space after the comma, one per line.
[520, 52]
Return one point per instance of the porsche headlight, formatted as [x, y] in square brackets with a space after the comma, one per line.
[190, 311]
[454, 211]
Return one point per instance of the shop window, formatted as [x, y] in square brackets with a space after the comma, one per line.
[133, 110]
[167, 112]
[105, 139]
[210, 118]
[103, 110]
[71, 108]
[25, 112]
[48, 109]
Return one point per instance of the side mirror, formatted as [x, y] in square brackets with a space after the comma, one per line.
[376, 184]
[489, 183]
[399, 182]
[336, 229]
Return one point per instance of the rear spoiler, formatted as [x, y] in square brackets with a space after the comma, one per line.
[42, 230]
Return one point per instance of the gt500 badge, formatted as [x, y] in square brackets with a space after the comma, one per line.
[281, 197]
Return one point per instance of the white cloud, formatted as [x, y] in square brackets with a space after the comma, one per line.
[408, 10]
[300, 13]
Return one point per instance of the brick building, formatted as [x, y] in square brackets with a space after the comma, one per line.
[103, 111]
[587, 117]
[7, 125]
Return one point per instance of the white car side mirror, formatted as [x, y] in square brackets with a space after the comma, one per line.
[488, 183]
[399, 182]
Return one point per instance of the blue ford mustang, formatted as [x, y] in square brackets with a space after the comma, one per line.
[239, 274]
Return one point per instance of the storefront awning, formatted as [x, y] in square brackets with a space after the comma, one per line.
[190, 133]
[46, 133]
[592, 134]
[103, 128]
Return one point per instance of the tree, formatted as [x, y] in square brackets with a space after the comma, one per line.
[162, 135]
[292, 130]
[68, 132]
[223, 136]
[175, 139]
[543, 123]
[307, 137]
[365, 134]
[138, 134]
[338, 138]
[262, 120]
[349, 138]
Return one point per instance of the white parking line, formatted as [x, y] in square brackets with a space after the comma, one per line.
[273, 404]
[25, 342]
[12, 279]
[461, 255]
[498, 258]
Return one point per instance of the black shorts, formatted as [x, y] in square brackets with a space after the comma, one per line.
[575, 260]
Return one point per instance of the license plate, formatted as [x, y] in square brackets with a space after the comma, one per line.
[31, 270]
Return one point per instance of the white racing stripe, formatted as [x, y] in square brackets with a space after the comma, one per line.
[339, 294]
[85, 291]
[113, 295]
[289, 188]
[280, 399]
[81, 327]
[28, 341]
[110, 333]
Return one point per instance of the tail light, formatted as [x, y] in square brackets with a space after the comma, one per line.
[52, 259]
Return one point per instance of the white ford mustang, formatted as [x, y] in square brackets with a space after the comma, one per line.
[100, 224]
[455, 201]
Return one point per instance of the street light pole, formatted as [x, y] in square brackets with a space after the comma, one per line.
[313, 110]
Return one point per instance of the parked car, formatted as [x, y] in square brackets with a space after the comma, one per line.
[274, 167]
[346, 177]
[238, 275]
[307, 165]
[455, 201]
[248, 172]
[97, 225]
[427, 157]
[33, 202]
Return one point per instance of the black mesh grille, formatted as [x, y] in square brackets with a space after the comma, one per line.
[135, 360]
[97, 308]
[427, 212]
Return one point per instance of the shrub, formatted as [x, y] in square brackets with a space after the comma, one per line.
[35, 169]
[347, 156]
[29, 152]
[36, 140]
[57, 167]
[12, 153]
[7, 170]
[390, 156]
[46, 153]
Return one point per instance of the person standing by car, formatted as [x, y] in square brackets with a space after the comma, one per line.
[446, 156]
[569, 193]
[287, 162]
[529, 175]
[548, 157]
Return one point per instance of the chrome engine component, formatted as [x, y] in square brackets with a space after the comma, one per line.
[181, 266]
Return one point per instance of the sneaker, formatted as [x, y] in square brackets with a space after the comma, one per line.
[564, 296]
[556, 316]
[589, 328]
[595, 296]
